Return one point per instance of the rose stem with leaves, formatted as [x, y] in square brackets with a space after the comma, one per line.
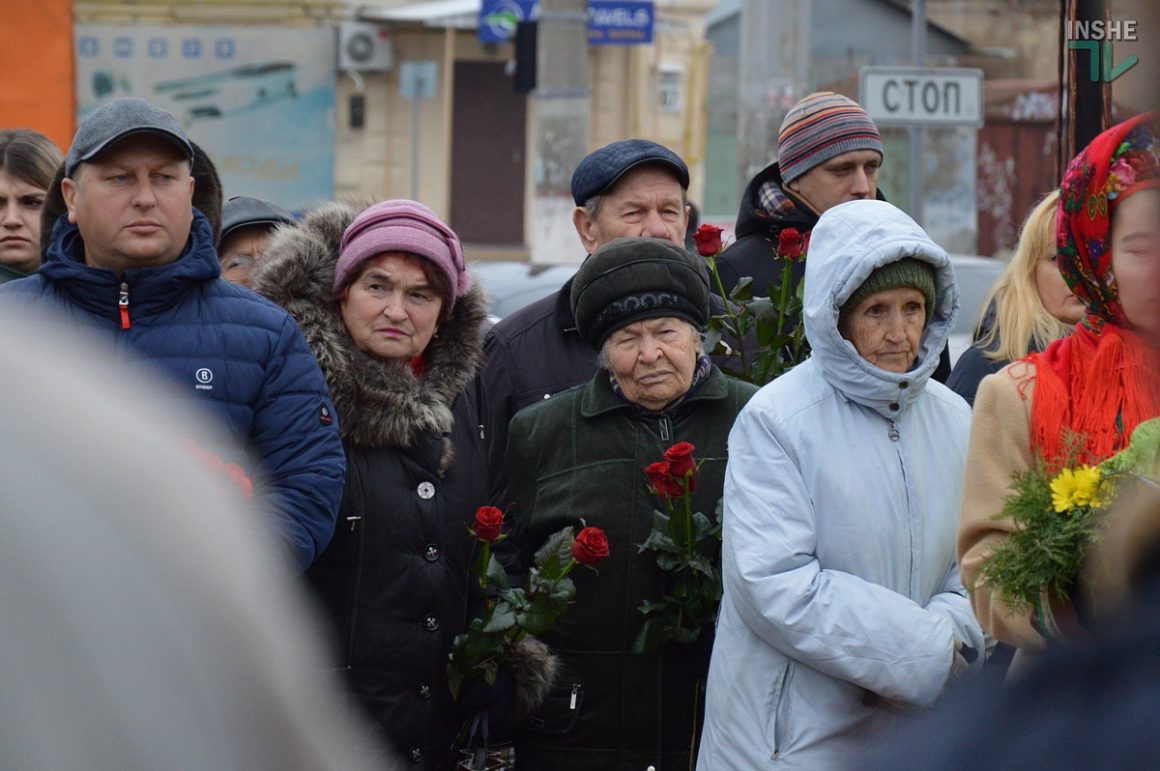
[783, 298]
[733, 316]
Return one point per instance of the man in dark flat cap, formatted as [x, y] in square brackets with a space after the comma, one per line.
[642, 303]
[632, 187]
[248, 224]
[132, 257]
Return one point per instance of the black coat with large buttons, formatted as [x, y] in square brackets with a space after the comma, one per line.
[394, 580]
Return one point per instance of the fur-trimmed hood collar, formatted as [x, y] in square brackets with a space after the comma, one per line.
[380, 403]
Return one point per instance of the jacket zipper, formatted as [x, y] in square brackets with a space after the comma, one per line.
[360, 549]
[575, 693]
[664, 429]
[123, 305]
[892, 432]
[781, 712]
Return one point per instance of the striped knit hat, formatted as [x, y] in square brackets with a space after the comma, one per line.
[820, 126]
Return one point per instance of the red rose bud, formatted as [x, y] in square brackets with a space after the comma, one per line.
[590, 546]
[680, 458]
[661, 479]
[488, 523]
[789, 244]
[708, 240]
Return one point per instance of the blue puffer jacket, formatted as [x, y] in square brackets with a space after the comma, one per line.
[224, 346]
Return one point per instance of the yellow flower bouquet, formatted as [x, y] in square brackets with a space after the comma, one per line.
[1056, 517]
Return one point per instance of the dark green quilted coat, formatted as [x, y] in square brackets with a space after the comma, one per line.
[579, 455]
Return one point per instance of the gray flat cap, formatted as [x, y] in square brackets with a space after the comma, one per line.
[118, 119]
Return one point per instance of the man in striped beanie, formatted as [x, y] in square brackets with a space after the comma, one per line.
[828, 152]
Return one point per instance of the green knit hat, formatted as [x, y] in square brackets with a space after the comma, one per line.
[907, 272]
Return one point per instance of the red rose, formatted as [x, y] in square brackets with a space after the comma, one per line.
[680, 458]
[590, 546]
[789, 244]
[661, 479]
[488, 523]
[708, 240]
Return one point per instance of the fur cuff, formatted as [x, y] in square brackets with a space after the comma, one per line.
[534, 668]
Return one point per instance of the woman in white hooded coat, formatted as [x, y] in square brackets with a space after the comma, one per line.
[843, 604]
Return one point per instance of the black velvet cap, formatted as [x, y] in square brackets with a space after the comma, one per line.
[601, 169]
[633, 279]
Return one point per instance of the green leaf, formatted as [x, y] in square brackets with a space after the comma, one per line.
[742, 290]
[502, 618]
[713, 339]
[496, 575]
[516, 597]
[555, 553]
[652, 636]
[763, 309]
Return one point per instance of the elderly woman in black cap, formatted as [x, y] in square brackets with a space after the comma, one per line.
[642, 303]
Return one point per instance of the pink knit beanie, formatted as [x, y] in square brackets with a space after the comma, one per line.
[402, 226]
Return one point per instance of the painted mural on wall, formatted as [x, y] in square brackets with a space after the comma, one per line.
[259, 100]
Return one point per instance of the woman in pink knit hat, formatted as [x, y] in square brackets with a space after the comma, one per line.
[385, 299]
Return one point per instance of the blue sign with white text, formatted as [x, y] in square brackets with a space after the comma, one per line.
[498, 18]
[620, 22]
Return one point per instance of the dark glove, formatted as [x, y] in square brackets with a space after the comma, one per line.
[488, 708]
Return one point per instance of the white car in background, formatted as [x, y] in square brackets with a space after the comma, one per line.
[974, 276]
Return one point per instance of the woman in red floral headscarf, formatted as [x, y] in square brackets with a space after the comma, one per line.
[1095, 386]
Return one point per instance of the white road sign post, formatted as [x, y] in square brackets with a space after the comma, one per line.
[931, 96]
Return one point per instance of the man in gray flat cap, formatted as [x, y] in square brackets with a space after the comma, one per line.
[632, 187]
[132, 257]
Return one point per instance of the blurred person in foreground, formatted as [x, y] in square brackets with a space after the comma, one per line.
[1096, 385]
[642, 303]
[842, 604]
[28, 159]
[1028, 307]
[385, 298]
[147, 623]
[248, 224]
[132, 257]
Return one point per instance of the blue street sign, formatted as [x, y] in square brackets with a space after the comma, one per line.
[498, 18]
[620, 22]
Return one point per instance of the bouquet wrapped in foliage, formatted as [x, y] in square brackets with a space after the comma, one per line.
[775, 320]
[514, 612]
[1056, 517]
[687, 545]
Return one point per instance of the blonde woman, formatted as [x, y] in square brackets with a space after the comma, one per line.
[1028, 307]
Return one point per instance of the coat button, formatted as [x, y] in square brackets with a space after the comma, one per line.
[431, 553]
[426, 490]
[424, 691]
[416, 755]
[431, 623]
[904, 384]
[894, 406]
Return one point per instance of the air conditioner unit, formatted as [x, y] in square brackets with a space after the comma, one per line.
[365, 47]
